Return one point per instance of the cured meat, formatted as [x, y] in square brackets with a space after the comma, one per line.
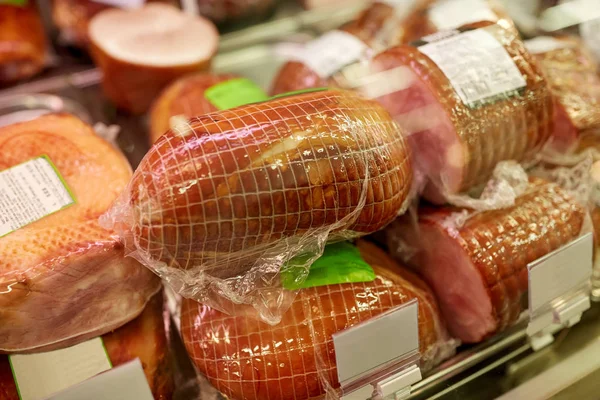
[61, 276]
[183, 97]
[246, 359]
[380, 26]
[571, 72]
[478, 269]
[72, 18]
[142, 51]
[142, 338]
[236, 13]
[245, 189]
[23, 47]
[459, 145]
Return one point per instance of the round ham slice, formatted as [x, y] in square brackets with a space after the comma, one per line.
[141, 51]
[185, 98]
[250, 360]
[144, 338]
[478, 269]
[64, 278]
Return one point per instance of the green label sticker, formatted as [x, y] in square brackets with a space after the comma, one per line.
[20, 3]
[340, 263]
[302, 91]
[234, 93]
[31, 191]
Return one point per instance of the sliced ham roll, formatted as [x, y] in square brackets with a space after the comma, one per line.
[478, 269]
[250, 360]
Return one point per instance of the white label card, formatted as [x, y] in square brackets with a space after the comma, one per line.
[378, 341]
[31, 191]
[568, 14]
[559, 272]
[122, 3]
[331, 52]
[41, 375]
[449, 14]
[476, 64]
[543, 44]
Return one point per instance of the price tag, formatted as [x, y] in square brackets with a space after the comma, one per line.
[559, 272]
[122, 3]
[453, 13]
[31, 191]
[41, 375]
[392, 337]
[544, 44]
[126, 381]
[477, 65]
[331, 52]
[568, 14]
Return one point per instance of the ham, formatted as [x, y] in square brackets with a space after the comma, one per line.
[478, 269]
[458, 146]
[144, 338]
[250, 360]
[64, 278]
[245, 189]
[571, 72]
[185, 98]
[23, 46]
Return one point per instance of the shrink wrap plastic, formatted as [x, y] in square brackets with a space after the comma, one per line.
[61, 274]
[476, 262]
[296, 359]
[219, 206]
[23, 45]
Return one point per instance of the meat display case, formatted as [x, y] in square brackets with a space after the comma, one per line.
[504, 366]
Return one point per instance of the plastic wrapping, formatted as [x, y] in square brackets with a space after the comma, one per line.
[142, 338]
[23, 46]
[489, 103]
[476, 262]
[61, 276]
[378, 27]
[296, 359]
[216, 209]
[72, 17]
[572, 74]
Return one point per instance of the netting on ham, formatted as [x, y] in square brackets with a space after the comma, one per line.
[219, 207]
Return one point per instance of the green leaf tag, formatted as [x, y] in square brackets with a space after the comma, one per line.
[234, 93]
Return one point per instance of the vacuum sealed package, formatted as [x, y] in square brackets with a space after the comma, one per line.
[144, 338]
[61, 274]
[296, 359]
[219, 205]
[383, 24]
[72, 17]
[23, 43]
[200, 94]
[468, 99]
[476, 262]
[572, 74]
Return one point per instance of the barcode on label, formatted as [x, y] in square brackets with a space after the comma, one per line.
[477, 65]
[331, 52]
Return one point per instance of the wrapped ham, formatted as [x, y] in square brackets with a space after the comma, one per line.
[378, 27]
[219, 204]
[72, 17]
[572, 74]
[468, 99]
[141, 51]
[23, 46]
[476, 263]
[62, 274]
[296, 359]
[142, 338]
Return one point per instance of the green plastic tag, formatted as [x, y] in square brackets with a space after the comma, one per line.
[234, 93]
[340, 263]
[309, 90]
[20, 3]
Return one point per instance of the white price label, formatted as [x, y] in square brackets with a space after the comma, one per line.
[331, 52]
[568, 14]
[590, 33]
[122, 3]
[454, 13]
[31, 191]
[476, 64]
[41, 375]
[560, 272]
[376, 342]
[543, 44]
